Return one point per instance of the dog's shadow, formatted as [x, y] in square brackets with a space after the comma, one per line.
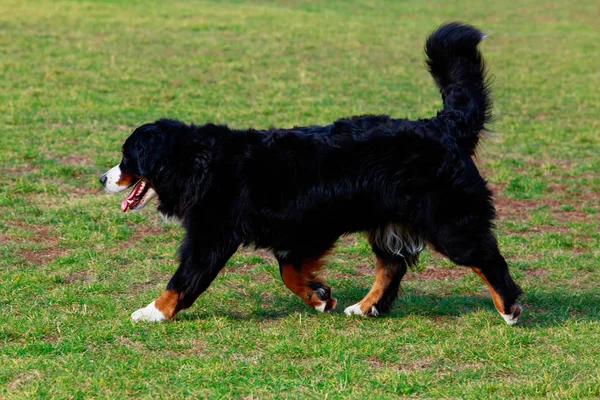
[540, 307]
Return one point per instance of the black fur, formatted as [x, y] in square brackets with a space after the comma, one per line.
[295, 191]
[460, 73]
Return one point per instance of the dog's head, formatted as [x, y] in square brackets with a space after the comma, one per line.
[143, 154]
[167, 159]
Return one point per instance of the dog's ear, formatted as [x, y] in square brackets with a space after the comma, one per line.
[148, 146]
[151, 153]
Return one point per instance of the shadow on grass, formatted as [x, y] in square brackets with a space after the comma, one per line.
[540, 308]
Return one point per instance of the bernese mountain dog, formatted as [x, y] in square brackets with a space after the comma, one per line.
[406, 184]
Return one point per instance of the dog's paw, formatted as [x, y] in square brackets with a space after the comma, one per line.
[356, 310]
[512, 319]
[327, 305]
[149, 313]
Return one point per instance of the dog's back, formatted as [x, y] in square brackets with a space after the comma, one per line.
[377, 168]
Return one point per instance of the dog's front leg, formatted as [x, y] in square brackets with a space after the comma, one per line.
[202, 258]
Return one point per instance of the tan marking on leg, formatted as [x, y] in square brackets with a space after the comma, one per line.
[297, 281]
[292, 279]
[168, 303]
[498, 302]
[513, 315]
[383, 277]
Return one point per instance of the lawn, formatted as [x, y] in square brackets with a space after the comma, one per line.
[78, 76]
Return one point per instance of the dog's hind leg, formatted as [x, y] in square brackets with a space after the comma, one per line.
[389, 270]
[477, 248]
[301, 276]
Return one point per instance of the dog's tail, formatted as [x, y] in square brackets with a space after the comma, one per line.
[460, 73]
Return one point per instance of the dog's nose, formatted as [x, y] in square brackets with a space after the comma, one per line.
[103, 179]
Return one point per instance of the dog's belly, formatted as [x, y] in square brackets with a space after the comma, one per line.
[317, 231]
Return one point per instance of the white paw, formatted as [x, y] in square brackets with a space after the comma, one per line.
[356, 310]
[148, 313]
[321, 307]
[512, 319]
[353, 310]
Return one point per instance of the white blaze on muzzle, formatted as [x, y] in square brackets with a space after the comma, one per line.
[113, 180]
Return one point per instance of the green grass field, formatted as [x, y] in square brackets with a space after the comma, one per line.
[78, 76]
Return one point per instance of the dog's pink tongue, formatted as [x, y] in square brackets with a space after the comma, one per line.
[125, 204]
[127, 201]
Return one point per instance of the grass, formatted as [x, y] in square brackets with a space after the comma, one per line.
[78, 76]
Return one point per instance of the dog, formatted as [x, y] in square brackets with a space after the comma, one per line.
[406, 184]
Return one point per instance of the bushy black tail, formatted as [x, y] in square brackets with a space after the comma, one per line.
[460, 73]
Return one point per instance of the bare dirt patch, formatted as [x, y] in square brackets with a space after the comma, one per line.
[508, 208]
[41, 257]
[25, 377]
[375, 362]
[265, 255]
[540, 116]
[558, 187]
[77, 277]
[513, 209]
[23, 169]
[141, 231]
[130, 344]
[522, 210]
[364, 270]
[258, 272]
[251, 268]
[348, 240]
[414, 365]
[43, 237]
[401, 366]
[75, 160]
[240, 269]
[4, 238]
[431, 273]
[537, 272]
[573, 216]
[546, 228]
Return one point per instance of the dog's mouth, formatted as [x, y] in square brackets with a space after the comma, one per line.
[141, 194]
